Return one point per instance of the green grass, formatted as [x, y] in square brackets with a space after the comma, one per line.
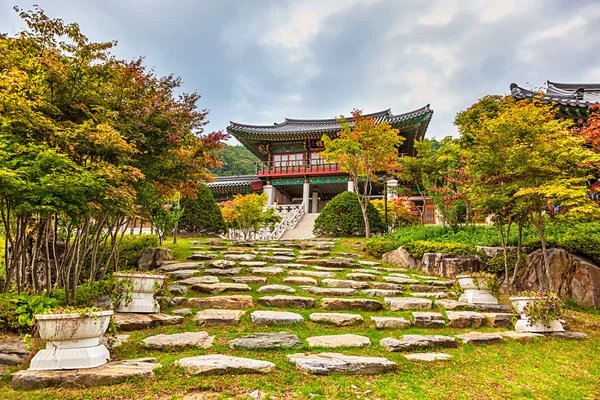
[547, 368]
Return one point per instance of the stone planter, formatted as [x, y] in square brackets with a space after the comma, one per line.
[475, 293]
[524, 325]
[73, 341]
[144, 287]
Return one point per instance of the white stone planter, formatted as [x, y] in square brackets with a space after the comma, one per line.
[475, 293]
[73, 341]
[524, 325]
[144, 287]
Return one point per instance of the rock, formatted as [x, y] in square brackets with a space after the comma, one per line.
[256, 280]
[381, 292]
[360, 276]
[107, 374]
[217, 248]
[276, 318]
[223, 272]
[428, 319]
[368, 263]
[426, 288]
[465, 319]
[436, 282]
[222, 264]
[407, 303]
[432, 295]
[332, 363]
[278, 259]
[239, 257]
[13, 353]
[229, 302]
[133, 322]
[218, 317]
[400, 280]
[351, 304]
[290, 266]
[491, 252]
[318, 274]
[328, 269]
[203, 256]
[185, 339]
[346, 255]
[276, 288]
[114, 341]
[390, 322]
[340, 283]
[333, 341]
[480, 337]
[272, 271]
[153, 258]
[252, 264]
[182, 273]
[366, 271]
[287, 301]
[324, 246]
[220, 287]
[570, 335]
[182, 311]
[265, 341]
[449, 265]
[402, 258]
[492, 308]
[449, 304]
[300, 280]
[337, 319]
[498, 320]
[412, 342]
[222, 364]
[386, 286]
[284, 254]
[521, 336]
[179, 266]
[316, 253]
[319, 291]
[335, 262]
[198, 280]
[165, 301]
[176, 289]
[428, 356]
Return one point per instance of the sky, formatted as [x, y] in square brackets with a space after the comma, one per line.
[260, 61]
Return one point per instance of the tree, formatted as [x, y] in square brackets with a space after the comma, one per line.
[342, 216]
[201, 214]
[590, 131]
[400, 211]
[363, 148]
[235, 160]
[245, 213]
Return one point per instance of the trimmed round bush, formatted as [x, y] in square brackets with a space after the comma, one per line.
[202, 214]
[342, 216]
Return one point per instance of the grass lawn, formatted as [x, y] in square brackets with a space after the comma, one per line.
[547, 368]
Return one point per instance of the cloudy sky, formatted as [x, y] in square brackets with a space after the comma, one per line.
[258, 61]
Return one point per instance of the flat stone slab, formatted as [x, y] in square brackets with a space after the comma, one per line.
[498, 320]
[521, 336]
[351, 304]
[255, 280]
[230, 302]
[132, 322]
[337, 319]
[480, 337]
[407, 303]
[428, 356]
[221, 264]
[223, 272]
[319, 291]
[366, 271]
[386, 286]
[300, 280]
[570, 335]
[390, 322]
[203, 256]
[430, 295]
[276, 318]
[218, 317]
[177, 289]
[220, 287]
[239, 257]
[449, 304]
[182, 311]
[438, 282]
[186, 339]
[369, 263]
[13, 353]
[290, 266]
[344, 283]
[412, 342]
[198, 280]
[400, 280]
[278, 259]
[222, 364]
[334, 341]
[426, 288]
[360, 276]
[266, 341]
[336, 363]
[272, 271]
[317, 274]
[276, 288]
[330, 269]
[179, 266]
[287, 301]
[182, 273]
[428, 319]
[381, 292]
[107, 374]
[316, 253]
[252, 263]
[465, 319]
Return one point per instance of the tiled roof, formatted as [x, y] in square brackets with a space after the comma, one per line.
[566, 94]
[240, 181]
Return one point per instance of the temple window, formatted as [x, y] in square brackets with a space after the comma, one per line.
[287, 160]
[316, 159]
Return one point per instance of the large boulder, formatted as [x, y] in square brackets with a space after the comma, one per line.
[450, 265]
[153, 258]
[402, 258]
[491, 252]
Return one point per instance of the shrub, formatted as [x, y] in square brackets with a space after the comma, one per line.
[377, 246]
[202, 214]
[132, 247]
[342, 216]
[9, 318]
[420, 247]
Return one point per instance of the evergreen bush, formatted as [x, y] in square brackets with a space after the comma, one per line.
[342, 216]
[202, 214]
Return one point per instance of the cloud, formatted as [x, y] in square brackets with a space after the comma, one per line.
[261, 61]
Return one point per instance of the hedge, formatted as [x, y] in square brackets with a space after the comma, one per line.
[342, 216]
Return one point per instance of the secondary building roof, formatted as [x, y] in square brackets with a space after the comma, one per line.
[566, 94]
[235, 182]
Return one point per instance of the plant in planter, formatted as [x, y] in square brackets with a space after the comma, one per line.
[134, 292]
[479, 288]
[538, 311]
[72, 339]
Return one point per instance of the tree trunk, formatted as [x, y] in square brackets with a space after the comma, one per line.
[511, 285]
[538, 222]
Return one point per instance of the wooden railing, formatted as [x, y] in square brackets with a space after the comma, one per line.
[282, 168]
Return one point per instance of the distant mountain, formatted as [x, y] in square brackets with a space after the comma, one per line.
[237, 160]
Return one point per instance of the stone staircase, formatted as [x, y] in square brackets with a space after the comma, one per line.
[304, 229]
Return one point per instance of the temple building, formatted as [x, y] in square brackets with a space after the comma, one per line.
[291, 169]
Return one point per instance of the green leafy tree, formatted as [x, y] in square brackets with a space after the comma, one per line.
[246, 213]
[201, 214]
[342, 216]
[235, 160]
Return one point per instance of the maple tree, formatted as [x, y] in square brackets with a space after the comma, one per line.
[246, 213]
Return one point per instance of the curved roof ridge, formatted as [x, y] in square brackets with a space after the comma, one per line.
[573, 86]
[330, 120]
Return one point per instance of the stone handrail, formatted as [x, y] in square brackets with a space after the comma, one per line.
[289, 222]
